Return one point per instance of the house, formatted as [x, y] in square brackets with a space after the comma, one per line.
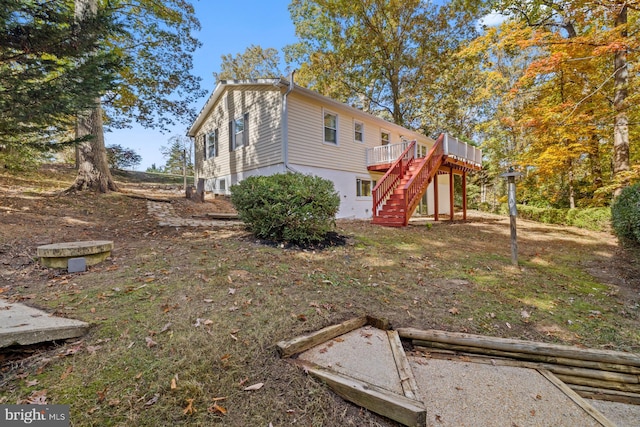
[269, 126]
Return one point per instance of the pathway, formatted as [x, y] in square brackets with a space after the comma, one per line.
[167, 217]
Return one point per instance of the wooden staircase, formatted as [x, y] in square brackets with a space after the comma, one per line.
[398, 193]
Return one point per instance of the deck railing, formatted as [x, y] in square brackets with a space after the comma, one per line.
[428, 169]
[386, 154]
[385, 186]
[459, 150]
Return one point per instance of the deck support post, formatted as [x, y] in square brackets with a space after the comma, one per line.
[435, 197]
[464, 195]
[451, 211]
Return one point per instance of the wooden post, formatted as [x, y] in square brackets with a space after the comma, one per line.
[513, 212]
[435, 197]
[464, 195]
[451, 211]
[200, 190]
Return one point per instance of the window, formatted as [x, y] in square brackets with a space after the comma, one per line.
[222, 185]
[364, 187]
[358, 131]
[385, 137]
[239, 132]
[330, 128]
[211, 145]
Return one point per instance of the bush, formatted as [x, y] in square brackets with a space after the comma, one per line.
[597, 219]
[291, 207]
[625, 214]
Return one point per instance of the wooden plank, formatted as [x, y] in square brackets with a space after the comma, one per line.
[222, 215]
[394, 406]
[609, 395]
[520, 346]
[556, 369]
[407, 379]
[428, 345]
[304, 342]
[149, 198]
[611, 385]
[379, 323]
[577, 399]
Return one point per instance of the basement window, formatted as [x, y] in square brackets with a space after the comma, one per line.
[364, 187]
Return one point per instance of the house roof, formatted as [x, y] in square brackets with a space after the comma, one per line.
[284, 83]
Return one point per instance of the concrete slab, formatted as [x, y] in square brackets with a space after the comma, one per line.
[458, 394]
[364, 354]
[621, 414]
[23, 325]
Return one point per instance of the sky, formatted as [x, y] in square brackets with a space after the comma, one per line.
[227, 28]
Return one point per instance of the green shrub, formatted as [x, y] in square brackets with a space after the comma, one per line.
[291, 207]
[597, 219]
[625, 214]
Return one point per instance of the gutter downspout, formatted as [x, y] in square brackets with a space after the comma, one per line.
[284, 123]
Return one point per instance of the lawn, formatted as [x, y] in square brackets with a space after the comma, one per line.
[184, 319]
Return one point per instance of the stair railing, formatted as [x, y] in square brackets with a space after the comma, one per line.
[428, 168]
[388, 183]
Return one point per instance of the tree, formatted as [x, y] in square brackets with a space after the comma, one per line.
[581, 74]
[155, 86]
[390, 58]
[178, 153]
[254, 63]
[120, 157]
[51, 66]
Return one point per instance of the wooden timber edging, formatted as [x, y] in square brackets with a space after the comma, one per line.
[599, 374]
[399, 408]
[288, 348]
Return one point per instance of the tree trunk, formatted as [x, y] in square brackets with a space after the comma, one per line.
[572, 190]
[91, 156]
[621, 126]
[93, 168]
[595, 159]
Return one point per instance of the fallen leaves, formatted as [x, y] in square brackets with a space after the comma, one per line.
[454, 311]
[153, 400]
[150, 342]
[66, 373]
[200, 322]
[190, 409]
[254, 387]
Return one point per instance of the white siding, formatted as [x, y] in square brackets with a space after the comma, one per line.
[306, 135]
[263, 104]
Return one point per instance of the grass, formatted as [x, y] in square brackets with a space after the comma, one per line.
[184, 319]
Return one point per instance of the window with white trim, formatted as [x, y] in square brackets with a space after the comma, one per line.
[358, 131]
[364, 187]
[211, 144]
[385, 137]
[239, 132]
[330, 128]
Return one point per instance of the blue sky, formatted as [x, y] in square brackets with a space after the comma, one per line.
[227, 27]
